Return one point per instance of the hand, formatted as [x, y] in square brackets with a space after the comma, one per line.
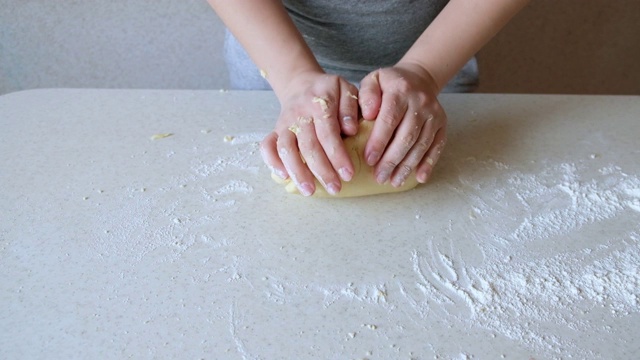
[316, 108]
[410, 129]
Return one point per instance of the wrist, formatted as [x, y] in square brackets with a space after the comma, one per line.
[285, 73]
[295, 82]
[423, 73]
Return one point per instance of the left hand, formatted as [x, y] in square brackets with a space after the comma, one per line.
[410, 129]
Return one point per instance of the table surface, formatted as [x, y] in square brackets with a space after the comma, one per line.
[525, 243]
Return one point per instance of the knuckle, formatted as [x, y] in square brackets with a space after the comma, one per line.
[308, 93]
[389, 120]
[405, 170]
[348, 102]
[408, 140]
[424, 100]
[307, 145]
[375, 76]
[403, 86]
[390, 164]
[422, 146]
[327, 127]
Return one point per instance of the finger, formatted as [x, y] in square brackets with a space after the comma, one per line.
[327, 129]
[406, 135]
[414, 156]
[425, 168]
[269, 152]
[315, 156]
[333, 146]
[392, 111]
[348, 108]
[370, 95]
[290, 155]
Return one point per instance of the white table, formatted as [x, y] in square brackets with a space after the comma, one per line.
[525, 244]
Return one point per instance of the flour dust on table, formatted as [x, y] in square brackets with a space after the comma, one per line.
[528, 277]
[519, 289]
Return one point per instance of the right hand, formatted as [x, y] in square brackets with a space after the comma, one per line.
[316, 108]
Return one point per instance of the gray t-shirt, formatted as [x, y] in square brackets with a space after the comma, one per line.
[351, 38]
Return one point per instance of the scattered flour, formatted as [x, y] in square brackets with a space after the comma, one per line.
[520, 288]
[518, 292]
[235, 186]
[246, 138]
[155, 218]
[547, 207]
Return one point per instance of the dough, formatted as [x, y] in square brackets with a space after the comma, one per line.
[363, 182]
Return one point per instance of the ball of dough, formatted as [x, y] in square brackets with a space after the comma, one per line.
[363, 182]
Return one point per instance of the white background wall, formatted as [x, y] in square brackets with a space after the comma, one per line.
[114, 44]
[553, 46]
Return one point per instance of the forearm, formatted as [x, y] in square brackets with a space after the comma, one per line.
[270, 38]
[457, 33]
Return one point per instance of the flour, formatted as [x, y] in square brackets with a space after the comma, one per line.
[519, 296]
[149, 219]
[537, 283]
[235, 186]
[551, 207]
[246, 138]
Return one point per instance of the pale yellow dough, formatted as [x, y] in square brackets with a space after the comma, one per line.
[363, 182]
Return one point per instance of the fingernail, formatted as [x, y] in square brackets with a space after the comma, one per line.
[382, 177]
[398, 181]
[372, 159]
[306, 189]
[422, 177]
[347, 119]
[333, 189]
[345, 174]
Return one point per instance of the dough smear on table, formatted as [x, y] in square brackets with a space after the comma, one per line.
[363, 182]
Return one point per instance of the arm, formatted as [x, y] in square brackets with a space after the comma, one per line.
[411, 129]
[266, 32]
[460, 30]
[315, 107]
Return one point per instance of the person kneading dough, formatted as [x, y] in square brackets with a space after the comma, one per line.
[332, 62]
[363, 182]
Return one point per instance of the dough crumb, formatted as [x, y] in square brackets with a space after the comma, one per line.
[160, 136]
[324, 102]
[349, 94]
[263, 73]
[294, 129]
[228, 138]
